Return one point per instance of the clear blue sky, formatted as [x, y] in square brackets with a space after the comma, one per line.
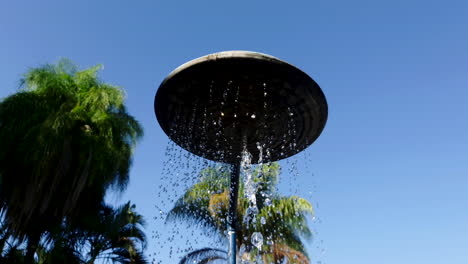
[391, 166]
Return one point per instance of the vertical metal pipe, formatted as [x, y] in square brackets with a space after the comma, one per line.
[232, 214]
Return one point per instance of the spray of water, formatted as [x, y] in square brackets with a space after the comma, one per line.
[183, 170]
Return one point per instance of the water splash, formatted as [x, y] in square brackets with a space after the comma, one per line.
[250, 188]
[257, 240]
[182, 170]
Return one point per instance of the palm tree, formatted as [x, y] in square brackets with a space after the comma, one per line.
[281, 221]
[117, 236]
[114, 235]
[66, 139]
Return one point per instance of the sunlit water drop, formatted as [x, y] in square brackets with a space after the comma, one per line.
[257, 240]
[250, 189]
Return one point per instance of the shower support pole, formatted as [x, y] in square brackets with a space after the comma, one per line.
[232, 214]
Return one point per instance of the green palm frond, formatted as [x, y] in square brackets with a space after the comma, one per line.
[119, 233]
[204, 256]
[61, 252]
[193, 207]
[292, 212]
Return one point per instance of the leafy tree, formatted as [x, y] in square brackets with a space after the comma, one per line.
[66, 138]
[281, 220]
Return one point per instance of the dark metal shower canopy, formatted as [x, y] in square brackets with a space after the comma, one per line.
[214, 105]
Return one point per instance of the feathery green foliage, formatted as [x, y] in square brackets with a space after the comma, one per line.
[66, 138]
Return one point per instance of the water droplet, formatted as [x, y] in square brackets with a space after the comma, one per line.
[257, 240]
[263, 220]
[241, 250]
[252, 116]
[222, 114]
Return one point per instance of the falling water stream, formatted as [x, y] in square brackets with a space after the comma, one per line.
[182, 170]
